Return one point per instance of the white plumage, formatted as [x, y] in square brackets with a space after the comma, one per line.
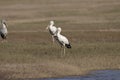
[3, 30]
[52, 29]
[62, 40]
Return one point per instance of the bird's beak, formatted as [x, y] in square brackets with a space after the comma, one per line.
[47, 27]
[6, 25]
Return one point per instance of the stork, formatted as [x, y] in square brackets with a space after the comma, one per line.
[62, 40]
[52, 29]
[3, 30]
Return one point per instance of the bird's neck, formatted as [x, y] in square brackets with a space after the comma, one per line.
[58, 33]
[51, 24]
[4, 26]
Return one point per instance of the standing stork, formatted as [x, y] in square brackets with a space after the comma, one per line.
[62, 40]
[3, 30]
[52, 29]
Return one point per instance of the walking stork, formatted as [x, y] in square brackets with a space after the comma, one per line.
[52, 29]
[62, 40]
[3, 30]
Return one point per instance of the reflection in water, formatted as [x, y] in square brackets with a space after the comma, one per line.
[94, 75]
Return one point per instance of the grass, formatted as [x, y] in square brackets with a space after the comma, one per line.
[91, 26]
[35, 56]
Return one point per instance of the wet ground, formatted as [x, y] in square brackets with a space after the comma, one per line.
[94, 75]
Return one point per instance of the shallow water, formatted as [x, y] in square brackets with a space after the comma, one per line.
[94, 75]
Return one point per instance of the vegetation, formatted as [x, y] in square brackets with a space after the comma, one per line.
[92, 27]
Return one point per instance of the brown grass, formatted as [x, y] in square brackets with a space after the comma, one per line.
[5, 75]
[32, 55]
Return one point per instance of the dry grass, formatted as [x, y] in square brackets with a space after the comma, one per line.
[35, 56]
[6, 75]
[91, 26]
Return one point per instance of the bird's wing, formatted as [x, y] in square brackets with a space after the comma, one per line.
[63, 39]
[56, 38]
[53, 30]
[4, 30]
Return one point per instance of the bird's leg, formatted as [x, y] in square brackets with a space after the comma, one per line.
[53, 39]
[3, 41]
[64, 50]
[61, 51]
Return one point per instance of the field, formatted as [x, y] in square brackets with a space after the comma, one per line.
[92, 27]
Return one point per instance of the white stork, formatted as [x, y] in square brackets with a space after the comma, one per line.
[52, 29]
[62, 40]
[3, 30]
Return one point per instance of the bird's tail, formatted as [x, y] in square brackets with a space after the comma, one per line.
[68, 46]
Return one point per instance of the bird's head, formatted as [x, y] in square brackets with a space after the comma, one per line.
[52, 22]
[59, 29]
[3, 21]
